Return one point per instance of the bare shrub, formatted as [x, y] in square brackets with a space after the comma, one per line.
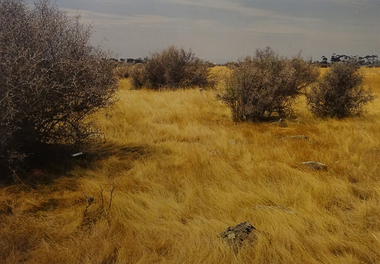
[266, 85]
[122, 71]
[172, 68]
[137, 73]
[340, 92]
[51, 79]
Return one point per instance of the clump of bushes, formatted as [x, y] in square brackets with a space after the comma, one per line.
[340, 92]
[51, 80]
[266, 85]
[171, 68]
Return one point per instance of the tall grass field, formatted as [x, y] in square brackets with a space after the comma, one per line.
[175, 171]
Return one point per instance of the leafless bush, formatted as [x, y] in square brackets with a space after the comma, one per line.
[51, 78]
[172, 68]
[138, 75]
[340, 92]
[122, 71]
[266, 85]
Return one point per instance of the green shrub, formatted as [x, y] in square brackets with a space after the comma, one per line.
[266, 85]
[171, 68]
[51, 80]
[340, 92]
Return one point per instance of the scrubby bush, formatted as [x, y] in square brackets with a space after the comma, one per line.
[137, 73]
[266, 85]
[122, 71]
[51, 79]
[171, 68]
[340, 92]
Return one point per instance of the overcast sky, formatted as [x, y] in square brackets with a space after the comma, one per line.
[228, 30]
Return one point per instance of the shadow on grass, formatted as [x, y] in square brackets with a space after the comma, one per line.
[48, 163]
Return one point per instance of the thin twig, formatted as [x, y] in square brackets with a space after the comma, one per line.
[101, 196]
[111, 196]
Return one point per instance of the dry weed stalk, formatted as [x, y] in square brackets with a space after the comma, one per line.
[91, 199]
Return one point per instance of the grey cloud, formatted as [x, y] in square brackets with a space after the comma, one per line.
[221, 30]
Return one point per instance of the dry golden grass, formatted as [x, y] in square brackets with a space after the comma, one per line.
[183, 172]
